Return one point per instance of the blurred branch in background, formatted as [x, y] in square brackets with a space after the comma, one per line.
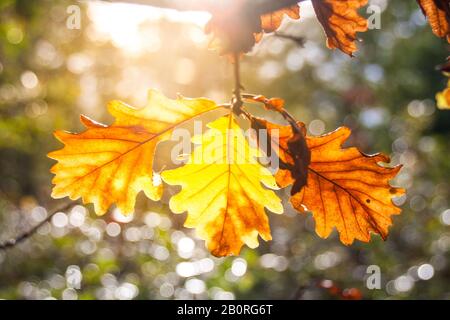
[22, 237]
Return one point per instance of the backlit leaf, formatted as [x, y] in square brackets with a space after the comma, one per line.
[222, 191]
[438, 15]
[107, 165]
[345, 188]
[443, 98]
[341, 22]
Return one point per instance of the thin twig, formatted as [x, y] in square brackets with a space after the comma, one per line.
[237, 97]
[297, 146]
[284, 113]
[15, 241]
[300, 41]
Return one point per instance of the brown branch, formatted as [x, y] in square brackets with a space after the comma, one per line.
[22, 237]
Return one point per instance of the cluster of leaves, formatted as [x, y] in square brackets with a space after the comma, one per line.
[242, 24]
[225, 201]
[419, 235]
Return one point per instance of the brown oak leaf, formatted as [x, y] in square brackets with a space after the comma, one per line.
[438, 15]
[341, 22]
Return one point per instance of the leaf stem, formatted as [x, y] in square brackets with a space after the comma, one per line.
[237, 102]
[284, 113]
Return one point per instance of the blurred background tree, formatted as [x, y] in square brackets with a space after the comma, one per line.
[49, 74]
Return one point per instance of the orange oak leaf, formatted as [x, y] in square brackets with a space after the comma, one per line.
[345, 188]
[341, 22]
[107, 165]
[438, 14]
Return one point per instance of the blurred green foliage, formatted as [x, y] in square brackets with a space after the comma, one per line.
[49, 74]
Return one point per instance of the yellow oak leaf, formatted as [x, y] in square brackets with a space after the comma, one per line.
[222, 191]
[443, 98]
[107, 165]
